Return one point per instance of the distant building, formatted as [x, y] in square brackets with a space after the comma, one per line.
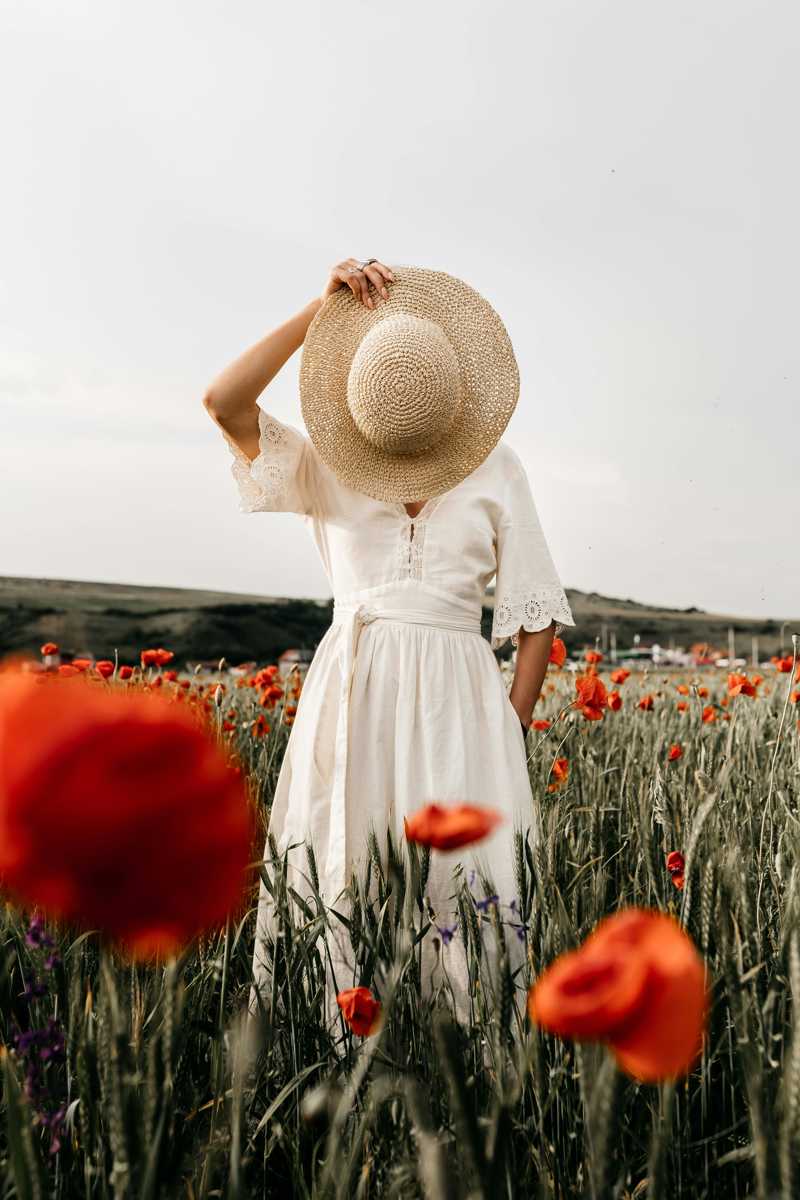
[294, 658]
[245, 668]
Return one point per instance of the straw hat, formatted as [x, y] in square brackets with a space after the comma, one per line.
[404, 400]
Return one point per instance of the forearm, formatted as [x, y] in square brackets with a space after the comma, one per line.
[533, 654]
[236, 389]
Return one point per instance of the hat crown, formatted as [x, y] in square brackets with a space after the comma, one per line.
[404, 388]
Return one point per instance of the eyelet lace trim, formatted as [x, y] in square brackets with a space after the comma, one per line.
[530, 609]
[264, 481]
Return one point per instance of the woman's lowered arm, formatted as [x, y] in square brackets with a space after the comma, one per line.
[533, 654]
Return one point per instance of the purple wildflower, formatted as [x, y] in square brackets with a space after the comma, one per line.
[38, 1048]
[34, 988]
[36, 934]
[483, 905]
[448, 932]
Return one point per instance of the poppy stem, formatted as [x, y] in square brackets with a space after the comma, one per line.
[660, 1142]
[602, 1107]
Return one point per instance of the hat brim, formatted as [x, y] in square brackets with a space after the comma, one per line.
[489, 377]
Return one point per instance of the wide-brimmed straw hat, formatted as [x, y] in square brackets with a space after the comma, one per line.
[404, 400]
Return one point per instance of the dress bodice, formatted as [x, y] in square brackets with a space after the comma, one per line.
[486, 526]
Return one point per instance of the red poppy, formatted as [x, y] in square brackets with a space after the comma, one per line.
[449, 828]
[361, 1010]
[156, 658]
[675, 751]
[619, 675]
[592, 696]
[560, 773]
[637, 984]
[740, 685]
[104, 668]
[614, 701]
[124, 672]
[709, 714]
[540, 725]
[81, 664]
[139, 802]
[702, 692]
[646, 702]
[593, 656]
[49, 648]
[682, 689]
[682, 706]
[676, 865]
[558, 652]
[784, 665]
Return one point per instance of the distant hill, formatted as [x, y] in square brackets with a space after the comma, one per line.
[97, 618]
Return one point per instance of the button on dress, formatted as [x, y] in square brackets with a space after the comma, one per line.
[404, 703]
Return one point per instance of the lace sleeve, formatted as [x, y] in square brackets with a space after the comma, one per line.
[281, 478]
[528, 592]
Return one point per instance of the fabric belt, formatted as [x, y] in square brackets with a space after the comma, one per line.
[354, 617]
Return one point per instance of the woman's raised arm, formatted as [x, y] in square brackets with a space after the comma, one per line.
[231, 398]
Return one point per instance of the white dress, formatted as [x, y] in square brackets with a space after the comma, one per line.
[404, 702]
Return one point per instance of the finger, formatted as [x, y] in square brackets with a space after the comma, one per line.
[385, 271]
[345, 275]
[377, 280]
[366, 299]
[350, 277]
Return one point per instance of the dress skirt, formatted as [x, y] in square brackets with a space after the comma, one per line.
[403, 705]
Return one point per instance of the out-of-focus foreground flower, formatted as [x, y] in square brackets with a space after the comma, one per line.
[118, 812]
[637, 984]
[449, 828]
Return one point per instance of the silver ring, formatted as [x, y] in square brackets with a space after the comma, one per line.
[367, 262]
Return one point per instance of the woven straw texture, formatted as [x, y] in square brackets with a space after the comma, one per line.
[405, 400]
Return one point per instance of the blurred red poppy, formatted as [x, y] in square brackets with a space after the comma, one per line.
[637, 984]
[158, 657]
[448, 828]
[118, 812]
[558, 652]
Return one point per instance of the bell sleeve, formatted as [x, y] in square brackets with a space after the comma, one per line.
[284, 475]
[528, 593]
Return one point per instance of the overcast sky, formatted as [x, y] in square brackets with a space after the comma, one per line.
[619, 179]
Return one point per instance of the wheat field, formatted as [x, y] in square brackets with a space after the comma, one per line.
[122, 1079]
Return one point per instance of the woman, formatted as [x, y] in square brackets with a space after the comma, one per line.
[407, 382]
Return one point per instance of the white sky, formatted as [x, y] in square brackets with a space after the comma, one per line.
[619, 179]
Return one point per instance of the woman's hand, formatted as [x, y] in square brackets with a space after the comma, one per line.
[360, 279]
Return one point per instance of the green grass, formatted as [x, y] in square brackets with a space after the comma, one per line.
[169, 1091]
